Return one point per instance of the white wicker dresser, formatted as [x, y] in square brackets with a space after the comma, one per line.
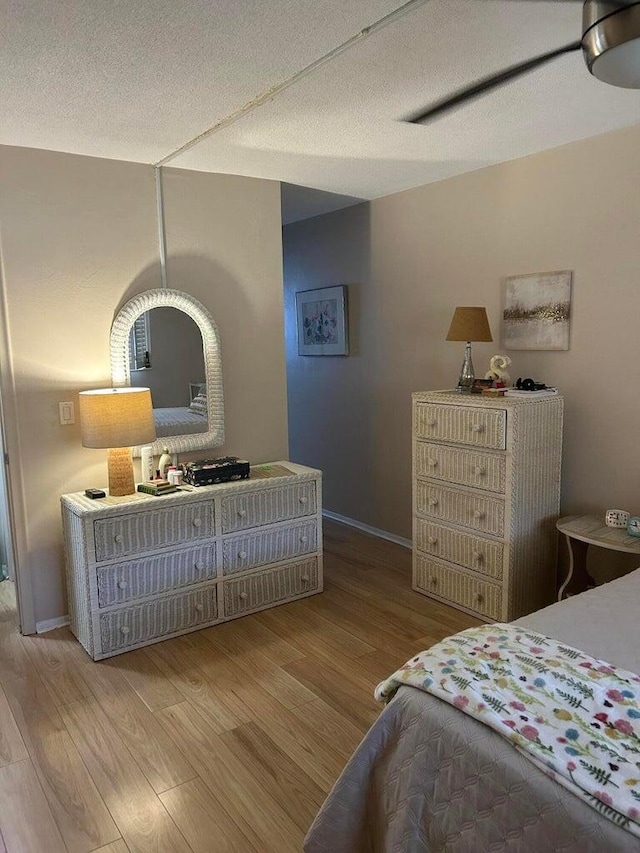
[142, 569]
[486, 495]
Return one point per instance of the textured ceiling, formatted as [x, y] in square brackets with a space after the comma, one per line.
[137, 80]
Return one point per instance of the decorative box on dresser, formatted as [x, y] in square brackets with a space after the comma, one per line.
[486, 496]
[141, 569]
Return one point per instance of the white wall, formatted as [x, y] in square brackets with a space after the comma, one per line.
[78, 240]
[411, 257]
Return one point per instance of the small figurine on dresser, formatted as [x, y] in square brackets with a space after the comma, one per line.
[498, 371]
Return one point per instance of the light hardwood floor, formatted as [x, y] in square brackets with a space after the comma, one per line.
[227, 739]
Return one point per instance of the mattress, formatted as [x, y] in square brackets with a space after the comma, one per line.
[427, 778]
[178, 420]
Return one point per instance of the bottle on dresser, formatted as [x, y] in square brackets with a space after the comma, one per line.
[147, 471]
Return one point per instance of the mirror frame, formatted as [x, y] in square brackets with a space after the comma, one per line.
[120, 371]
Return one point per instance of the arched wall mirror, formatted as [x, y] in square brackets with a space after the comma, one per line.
[167, 341]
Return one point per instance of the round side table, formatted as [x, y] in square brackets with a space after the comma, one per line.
[580, 532]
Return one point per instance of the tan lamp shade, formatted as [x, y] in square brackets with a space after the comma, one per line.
[117, 419]
[469, 324]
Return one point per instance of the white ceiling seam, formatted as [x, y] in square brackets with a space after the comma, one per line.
[274, 90]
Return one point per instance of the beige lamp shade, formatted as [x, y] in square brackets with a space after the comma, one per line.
[117, 419]
[469, 324]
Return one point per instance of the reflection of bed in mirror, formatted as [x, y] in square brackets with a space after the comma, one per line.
[178, 420]
[184, 420]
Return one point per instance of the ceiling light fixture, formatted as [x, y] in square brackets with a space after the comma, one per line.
[611, 41]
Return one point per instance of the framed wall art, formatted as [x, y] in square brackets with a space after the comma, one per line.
[322, 321]
[537, 311]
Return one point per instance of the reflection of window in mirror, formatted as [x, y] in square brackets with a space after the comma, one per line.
[140, 343]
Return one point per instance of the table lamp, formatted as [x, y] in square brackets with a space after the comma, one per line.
[117, 419]
[468, 324]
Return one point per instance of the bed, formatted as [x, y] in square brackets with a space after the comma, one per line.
[427, 778]
[178, 420]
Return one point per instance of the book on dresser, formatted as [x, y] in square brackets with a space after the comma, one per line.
[141, 570]
[486, 497]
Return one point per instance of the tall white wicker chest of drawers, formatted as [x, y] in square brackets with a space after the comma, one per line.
[141, 569]
[486, 496]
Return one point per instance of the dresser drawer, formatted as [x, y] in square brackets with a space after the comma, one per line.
[125, 535]
[461, 425]
[162, 573]
[438, 578]
[474, 552]
[273, 585]
[241, 511]
[150, 620]
[457, 465]
[478, 511]
[247, 551]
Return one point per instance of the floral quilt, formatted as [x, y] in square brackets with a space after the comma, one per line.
[575, 717]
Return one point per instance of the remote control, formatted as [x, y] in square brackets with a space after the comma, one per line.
[95, 493]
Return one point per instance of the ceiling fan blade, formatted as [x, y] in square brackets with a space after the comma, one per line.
[488, 83]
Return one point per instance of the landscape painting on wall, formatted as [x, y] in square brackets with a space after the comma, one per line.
[537, 311]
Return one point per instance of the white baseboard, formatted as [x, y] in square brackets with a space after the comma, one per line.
[374, 531]
[51, 624]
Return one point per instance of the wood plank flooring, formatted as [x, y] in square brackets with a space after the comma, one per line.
[226, 740]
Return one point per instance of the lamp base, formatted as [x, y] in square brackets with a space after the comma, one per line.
[467, 375]
[120, 464]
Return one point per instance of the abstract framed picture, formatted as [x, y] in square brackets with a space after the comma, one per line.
[322, 321]
[537, 311]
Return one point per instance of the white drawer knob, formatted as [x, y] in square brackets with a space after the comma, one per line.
[303, 499]
[125, 630]
[432, 422]
[433, 501]
[197, 522]
[122, 584]
[199, 608]
[242, 513]
[242, 555]
[480, 471]
[118, 537]
[432, 540]
[199, 567]
[243, 595]
[304, 539]
[478, 513]
[478, 557]
[477, 428]
[434, 581]
[433, 463]
[305, 578]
